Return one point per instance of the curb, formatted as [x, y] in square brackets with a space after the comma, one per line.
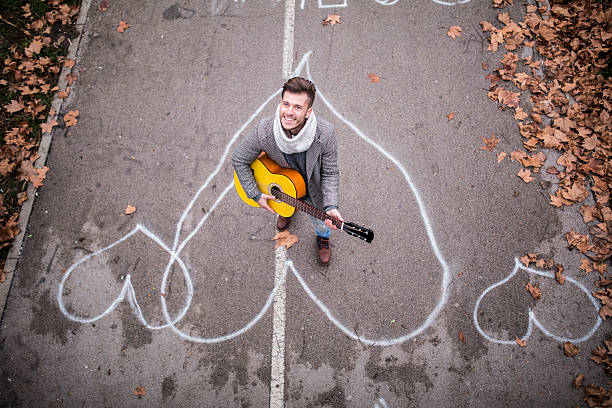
[43, 151]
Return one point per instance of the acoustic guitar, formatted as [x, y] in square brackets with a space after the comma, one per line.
[287, 185]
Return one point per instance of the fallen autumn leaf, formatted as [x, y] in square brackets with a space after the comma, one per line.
[490, 143]
[332, 19]
[123, 26]
[64, 94]
[534, 290]
[38, 176]
[14, 106]
[520, 114]
[570, 349]
[71, 118]
[578, 380]
[559, 274]
[528, 259]
[454, 31]
[585, 266]
[285, 238]
[525, 174]
[374, 78]
[34, 48]
[48, 127]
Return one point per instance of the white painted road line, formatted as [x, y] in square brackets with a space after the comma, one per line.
[277, 366]
[288, 33]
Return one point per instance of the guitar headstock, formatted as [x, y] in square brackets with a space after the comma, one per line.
[358, 231]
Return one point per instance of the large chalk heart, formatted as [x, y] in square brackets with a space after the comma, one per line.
[177, 247]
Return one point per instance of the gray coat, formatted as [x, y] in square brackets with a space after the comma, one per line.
[321, 161]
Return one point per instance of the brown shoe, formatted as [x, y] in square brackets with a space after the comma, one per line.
[323, 250]
[282, 223]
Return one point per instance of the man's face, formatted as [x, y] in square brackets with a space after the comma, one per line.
[294, 111]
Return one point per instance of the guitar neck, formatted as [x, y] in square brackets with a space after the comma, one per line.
[307, 208]
[350, 228]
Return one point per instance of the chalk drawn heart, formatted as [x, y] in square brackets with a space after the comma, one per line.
[289, 266]
[533, 321]
[127, 288]
[177, 247]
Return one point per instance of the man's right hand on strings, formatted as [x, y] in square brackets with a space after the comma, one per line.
[263, 202]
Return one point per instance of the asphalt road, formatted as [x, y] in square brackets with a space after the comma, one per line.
[99, 306]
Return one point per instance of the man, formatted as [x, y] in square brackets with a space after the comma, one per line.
[296, 138]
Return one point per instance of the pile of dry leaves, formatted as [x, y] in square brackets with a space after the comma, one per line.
[34, 39]
[561, 98]
[570, 95]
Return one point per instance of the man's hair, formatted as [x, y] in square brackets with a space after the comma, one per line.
[299, 85]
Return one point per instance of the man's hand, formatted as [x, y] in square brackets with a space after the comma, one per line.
[263, 202]
[336, 214]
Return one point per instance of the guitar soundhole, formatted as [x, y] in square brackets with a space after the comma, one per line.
[275, 187]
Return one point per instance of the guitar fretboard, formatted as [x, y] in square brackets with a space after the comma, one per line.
[302, 206]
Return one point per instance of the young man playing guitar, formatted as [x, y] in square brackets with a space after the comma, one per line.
[296, 138]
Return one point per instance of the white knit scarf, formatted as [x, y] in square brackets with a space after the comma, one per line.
[298, 143]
